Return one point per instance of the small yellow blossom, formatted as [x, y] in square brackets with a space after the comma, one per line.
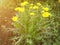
[46, 9]
[45, 14]
[24, 3]
[14, 18]
[20, 9]
[31, 6]
[32, 14]
[35, 7]
[38, 4]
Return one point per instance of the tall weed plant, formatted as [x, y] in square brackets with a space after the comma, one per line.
[36, 24]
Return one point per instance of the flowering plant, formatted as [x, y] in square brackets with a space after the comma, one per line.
[35, 24]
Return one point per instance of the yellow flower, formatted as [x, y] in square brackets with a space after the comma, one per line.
[35, 7]
[24, 3]
[14, 18]
[38, 4]
[46, 9]
[31, 6]
[32, 14]
[20, 9]
[45, 14]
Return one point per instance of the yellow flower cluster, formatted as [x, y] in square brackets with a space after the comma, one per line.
[46, 12]
[32, 6]
[20, 9]
[24, 3]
